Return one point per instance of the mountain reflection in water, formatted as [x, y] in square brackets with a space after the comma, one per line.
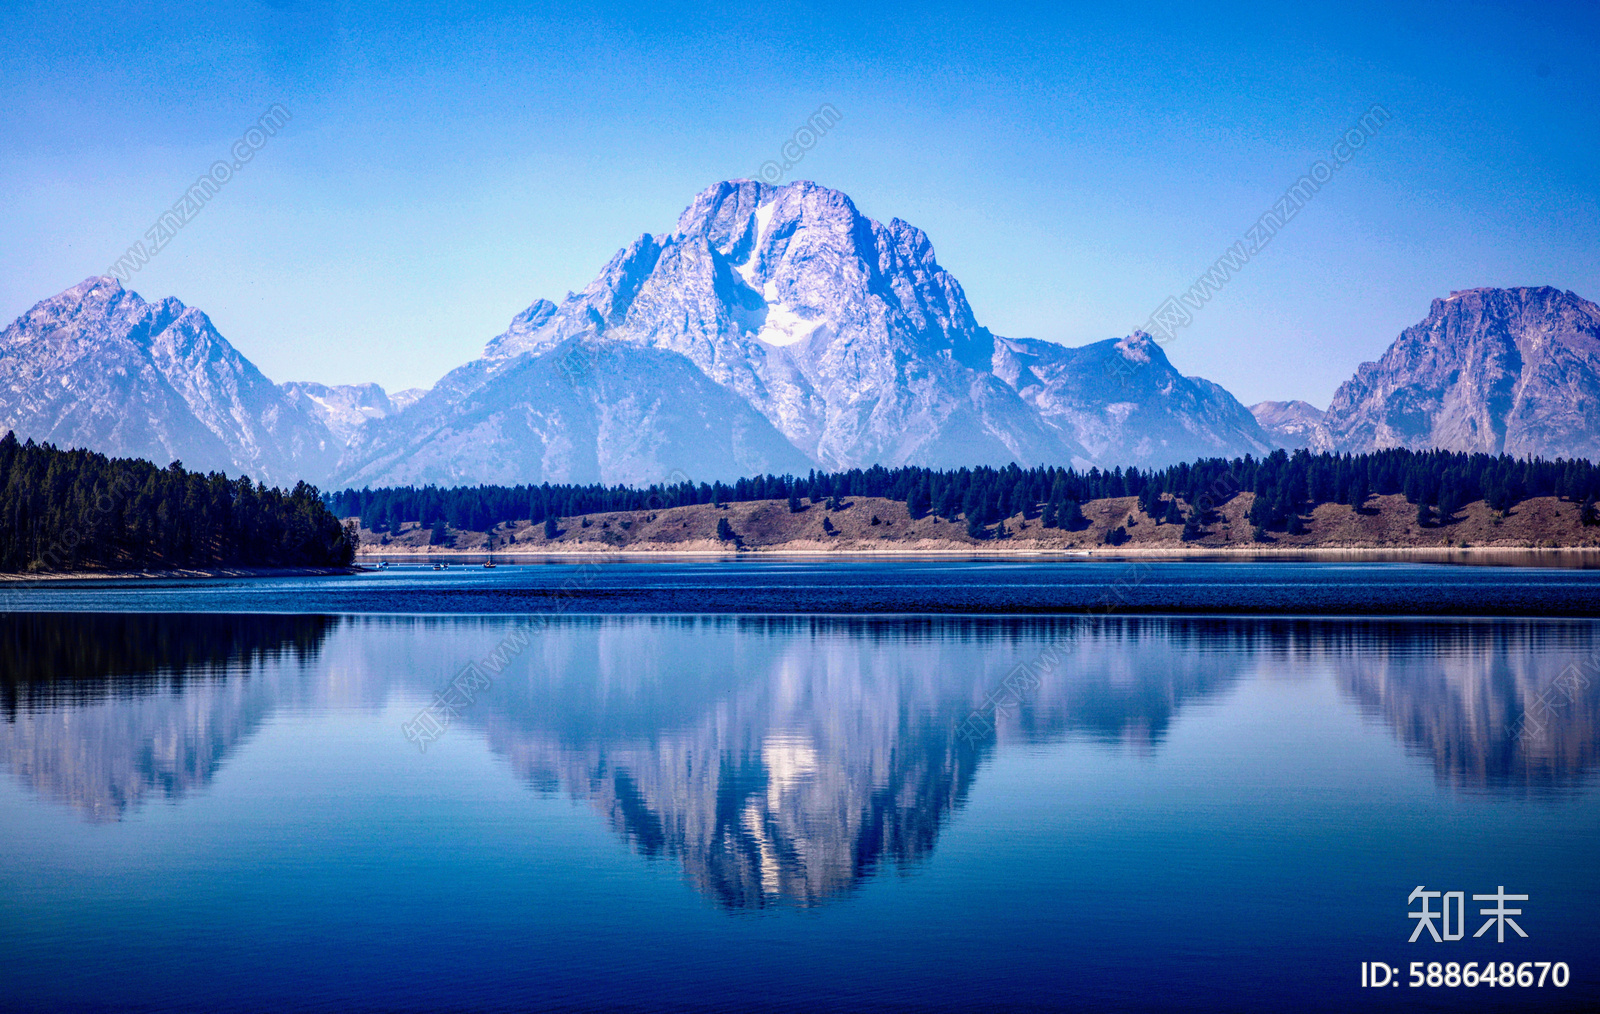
[777, 760]
[103, 709]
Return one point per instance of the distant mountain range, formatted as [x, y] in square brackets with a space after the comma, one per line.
[776, 329]
[1513, 371]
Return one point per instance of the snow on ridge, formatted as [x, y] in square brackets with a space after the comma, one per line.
[747, 270]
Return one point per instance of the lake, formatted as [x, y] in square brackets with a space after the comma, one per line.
[798, 785]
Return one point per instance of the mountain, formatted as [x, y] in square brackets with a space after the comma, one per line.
[1513, 371]
[100, 368]
[1141, 412]
[1294, 424]
[774, 329]
[631, 415]
[843, 337]
[346, 408]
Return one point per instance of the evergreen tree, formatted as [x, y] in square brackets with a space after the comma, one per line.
[1071, 517]
[975, 527]
[551, 528]
[1021, 501]
[1173, 515]
[1448, 505]
[1260, 511]
[1191, 526]
[74, 510]
[827, 526]
[725, 530]
[1116, 536]
[918, 500]
[1281, 485]
[794, 504]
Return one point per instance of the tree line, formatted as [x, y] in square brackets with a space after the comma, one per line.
[1286, 487]
[76, 510]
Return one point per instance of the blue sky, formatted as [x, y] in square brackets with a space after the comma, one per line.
[1073, 165]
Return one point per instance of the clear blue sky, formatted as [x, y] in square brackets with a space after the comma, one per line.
[1073, 166]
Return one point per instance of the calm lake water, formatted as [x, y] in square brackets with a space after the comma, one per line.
[217, 794]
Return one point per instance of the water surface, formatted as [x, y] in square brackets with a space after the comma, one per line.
[645, 812]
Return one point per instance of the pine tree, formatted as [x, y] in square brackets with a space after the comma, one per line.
[794, 503]
[827, 526]
[1071, 517]
[1360, 493]
[1173, 515]
[725, 530]
[1149, 500]
[1449, 503]
[918, 500]
[1191, 526]
[975, 528]
[551, 529]
[1021, 502]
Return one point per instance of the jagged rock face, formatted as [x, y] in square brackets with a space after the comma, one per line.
[98, 367]
[1293, 424]
[775, 329]
[860, 349]
[345, 408]
[1494, 370]
[1140, 411]
[844, 333]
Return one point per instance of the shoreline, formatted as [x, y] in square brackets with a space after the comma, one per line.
[12, 577]
[436, 554]
[972, 550]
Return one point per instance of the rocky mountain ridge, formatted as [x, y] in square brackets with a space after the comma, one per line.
[844, 336]
[1513, 371]
[775, 329]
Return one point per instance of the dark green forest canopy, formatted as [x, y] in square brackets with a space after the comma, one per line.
[78, 510]
[1285, 484]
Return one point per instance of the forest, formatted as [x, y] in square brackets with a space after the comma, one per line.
[1286, 487]
[78, 510]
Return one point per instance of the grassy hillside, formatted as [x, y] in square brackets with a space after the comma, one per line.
[877, 524]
